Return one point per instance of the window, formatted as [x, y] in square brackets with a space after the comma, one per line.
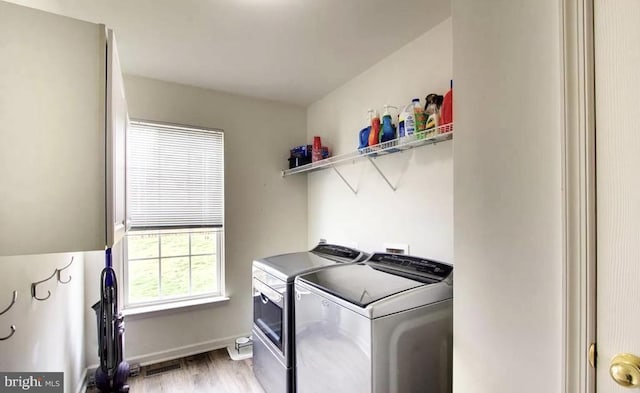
[174, 249]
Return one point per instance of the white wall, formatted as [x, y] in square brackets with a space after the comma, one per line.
[420, 212]
[508, 197]
[49, 334]
[265, 214]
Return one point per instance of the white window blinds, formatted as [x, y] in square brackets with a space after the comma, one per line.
[176, 176]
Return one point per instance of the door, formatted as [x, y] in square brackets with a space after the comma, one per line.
[270, 364]
[617, 74]
[268, 313]
[117, 122]
[52, 175]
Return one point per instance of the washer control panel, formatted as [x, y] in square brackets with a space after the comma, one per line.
[415, 266]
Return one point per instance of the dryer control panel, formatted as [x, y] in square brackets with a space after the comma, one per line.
[333, 250]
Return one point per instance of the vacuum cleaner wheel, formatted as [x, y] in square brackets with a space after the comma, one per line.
[117, 384]
[121, 375]
[102, 381]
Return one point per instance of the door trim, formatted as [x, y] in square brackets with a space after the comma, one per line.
[579, 204]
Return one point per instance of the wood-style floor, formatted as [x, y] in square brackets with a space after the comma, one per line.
[211, 372]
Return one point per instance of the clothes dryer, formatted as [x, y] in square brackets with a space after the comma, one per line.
[273, 311]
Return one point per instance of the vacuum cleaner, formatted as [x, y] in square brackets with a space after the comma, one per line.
[111, 375]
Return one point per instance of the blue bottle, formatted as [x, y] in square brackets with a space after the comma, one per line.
[388, 131]
[364, 137]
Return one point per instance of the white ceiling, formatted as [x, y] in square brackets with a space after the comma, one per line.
[293, 51]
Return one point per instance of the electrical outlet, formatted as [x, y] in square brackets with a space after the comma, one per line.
[396, 248]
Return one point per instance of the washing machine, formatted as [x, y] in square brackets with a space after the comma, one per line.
[382, 326]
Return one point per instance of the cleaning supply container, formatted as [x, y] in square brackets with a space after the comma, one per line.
[407, 122]
[316, 152]
[420, 116]
[447, 110]
[432, 110]
[388, 131]
[374, 133]
[364, 137]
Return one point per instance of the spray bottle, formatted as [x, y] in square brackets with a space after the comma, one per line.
[374, 134]
[388, 129]
[432, 109]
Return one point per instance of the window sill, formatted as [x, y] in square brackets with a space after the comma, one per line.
[148, 311]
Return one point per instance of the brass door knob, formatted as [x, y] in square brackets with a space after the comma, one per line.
[625, 370]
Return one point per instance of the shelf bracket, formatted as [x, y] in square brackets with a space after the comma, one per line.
[355, 192]
[381, 174]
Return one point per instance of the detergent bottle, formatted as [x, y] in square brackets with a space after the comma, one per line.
[388, 128]
[407, 122]
[363, 135]
[447, 109]
[374, 134]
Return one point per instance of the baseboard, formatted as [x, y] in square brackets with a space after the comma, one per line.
[180, 352]
[83, 382]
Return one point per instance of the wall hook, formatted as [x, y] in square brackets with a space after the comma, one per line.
[35, 284]
[13, 330]
[58, 271]
[13, 301]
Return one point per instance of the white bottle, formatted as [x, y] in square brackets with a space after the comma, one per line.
[409, 120]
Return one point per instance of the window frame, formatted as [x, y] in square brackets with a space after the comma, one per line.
[171, 302]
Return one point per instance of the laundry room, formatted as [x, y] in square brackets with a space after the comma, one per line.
[280, 196]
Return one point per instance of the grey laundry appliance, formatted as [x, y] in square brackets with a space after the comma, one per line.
[382, 326]
[273, 312]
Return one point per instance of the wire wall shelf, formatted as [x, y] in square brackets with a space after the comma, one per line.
[422, 138]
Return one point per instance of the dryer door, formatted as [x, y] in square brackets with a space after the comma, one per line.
[268, 314]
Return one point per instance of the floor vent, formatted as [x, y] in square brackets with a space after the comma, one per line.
[162, 368]
[134, 369]
[201, 357]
